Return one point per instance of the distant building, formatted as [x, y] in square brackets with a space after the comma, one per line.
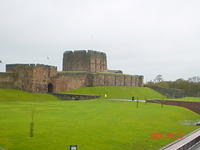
[80, 69]
[115, 71]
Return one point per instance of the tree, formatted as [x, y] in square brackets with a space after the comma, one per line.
[158, 78]
[195, 79]
[180, 80]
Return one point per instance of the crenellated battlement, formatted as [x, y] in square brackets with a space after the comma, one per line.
[15, 67]
[84, 52]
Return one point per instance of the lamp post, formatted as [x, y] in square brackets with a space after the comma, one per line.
[161, 104]
[137, 103]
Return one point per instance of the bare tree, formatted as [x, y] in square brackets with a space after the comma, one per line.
[158, 78]
[194, 79]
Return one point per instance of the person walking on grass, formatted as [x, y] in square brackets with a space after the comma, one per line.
[133, 98]
[106, 96]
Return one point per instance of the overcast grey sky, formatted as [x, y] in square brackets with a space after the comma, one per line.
[146, 37]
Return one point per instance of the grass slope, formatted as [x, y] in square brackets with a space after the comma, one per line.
[19, 95]
[119, 92]
[192, 99]
[91, 124]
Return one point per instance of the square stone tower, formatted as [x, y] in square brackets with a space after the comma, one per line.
[32, 77]
[82, 60]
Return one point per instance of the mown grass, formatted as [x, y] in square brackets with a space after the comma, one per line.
[192, 99]
[119, 92]
[19, 95]
[91, 124]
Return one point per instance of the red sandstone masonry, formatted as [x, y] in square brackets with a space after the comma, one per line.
[82, 60]
[69, 81]
[31, 77]
[36, 78]
[90, 70]
[7, 80]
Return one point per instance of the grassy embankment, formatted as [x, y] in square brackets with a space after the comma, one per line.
[91, 124]
[190, 99]
[119, 92]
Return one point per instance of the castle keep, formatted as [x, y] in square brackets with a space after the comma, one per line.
[91, 61]
[80, 69]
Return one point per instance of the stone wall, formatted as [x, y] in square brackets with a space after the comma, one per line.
[7, 80]
[68, 81]
[75, 96]
[31, 77]
[24, 75]
[109, 80]
[43, 79]
[97, 61]
[81, 68]
[82, 60]
[42, 76]
[106, 79]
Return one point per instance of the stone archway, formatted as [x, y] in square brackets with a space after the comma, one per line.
[50, 88]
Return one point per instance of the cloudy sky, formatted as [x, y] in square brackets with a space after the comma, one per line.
[146, 37]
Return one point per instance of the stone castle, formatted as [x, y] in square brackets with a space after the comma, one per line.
[80, 69]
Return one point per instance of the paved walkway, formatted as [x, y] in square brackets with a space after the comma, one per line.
[184, 142]
[196, 147]
[128, 100]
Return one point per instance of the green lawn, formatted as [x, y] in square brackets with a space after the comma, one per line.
[91, 124]
[119, 92]
[19, 95]
[192, 99]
